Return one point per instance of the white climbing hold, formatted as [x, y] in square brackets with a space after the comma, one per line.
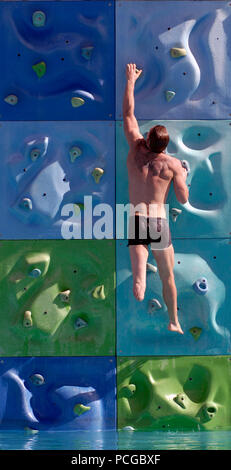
[151, 268]
[128, 428]
[169, 95]
[27, 320]
[153, 306]
[174, 213]
[185, 164]
[26, 203]
[65, 296]
[11, 99]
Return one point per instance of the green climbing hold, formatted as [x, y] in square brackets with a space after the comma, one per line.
[174, 213]
[80, 409]
[97, 174]
[98, 293]
[78, 207]
[11, 99]
[86, 52]
[76, 101]
[196, 332]
[169, 95]
[27, 320]
[177, 52]
[38, 18]
[39, 68]
[34, 154]
[65, 296]
[26, 203]
[75, 152]
[128, 391]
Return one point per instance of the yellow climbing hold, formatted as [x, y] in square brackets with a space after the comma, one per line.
[80, 409]
[195, 332]
[177, 52]
[78, 207]
[97, 174]
[65, 296]
[27, 320]
[98, 293]
[76, 101]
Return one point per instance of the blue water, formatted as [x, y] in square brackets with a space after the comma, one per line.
[111, 440]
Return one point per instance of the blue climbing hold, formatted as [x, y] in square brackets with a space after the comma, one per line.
[201, 286]
[38, 18]
[26, 203]
[35, 272]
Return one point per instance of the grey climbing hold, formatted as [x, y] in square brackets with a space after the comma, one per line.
[175, 213]
[86, 52]
[11, 99]
[38, 18]
[27, 320]
[151, 268]
[185, 164]
[37, 379]
[177, 52]
[35, 154]
[75, 152]
[153, 306]
[169, 95]
[201, 286]
[79, 409]
[97, 174]
[35, 272]
[180, 400]
[26, 203]
[80, 323]
[65, 296]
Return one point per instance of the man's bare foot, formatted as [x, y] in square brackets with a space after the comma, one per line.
[139, 291]
[175, 327]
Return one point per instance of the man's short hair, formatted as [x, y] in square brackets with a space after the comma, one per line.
[158, 138]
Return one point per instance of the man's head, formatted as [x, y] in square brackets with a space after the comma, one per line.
[157, 139]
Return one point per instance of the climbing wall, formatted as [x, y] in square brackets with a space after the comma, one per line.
[77, 351]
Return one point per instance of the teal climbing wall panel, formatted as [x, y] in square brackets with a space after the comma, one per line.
[199, 76]
[56, 69]
[54, 165]
[205, 319]
[205, 145]
[57, 298]
[174, 393]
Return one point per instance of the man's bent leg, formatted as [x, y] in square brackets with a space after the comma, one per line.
[165, 264]
[139, 257]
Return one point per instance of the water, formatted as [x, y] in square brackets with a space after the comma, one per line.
[111, 440]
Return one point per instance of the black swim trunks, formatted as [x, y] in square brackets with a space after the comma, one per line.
[145, 230]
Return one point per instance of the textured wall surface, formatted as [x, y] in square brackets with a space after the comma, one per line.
[205, 145]
[47, 65]
[53, 164]
[170, 393]
[57, 393]
[205, 319]
[57, 298]
[200, 79]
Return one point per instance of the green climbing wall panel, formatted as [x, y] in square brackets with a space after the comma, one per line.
[57, 298]
[174, 393]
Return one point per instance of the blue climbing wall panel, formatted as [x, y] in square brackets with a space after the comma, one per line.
[47, 67]
[40, 163]
[200, 79]
[58, 393]
[205, 319]
[205, 145]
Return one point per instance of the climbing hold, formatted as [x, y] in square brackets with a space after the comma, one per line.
[138, 71]
[185, 165]
[201, 286]
[86, 52]
[27, 320]
[151, 268]
[169, 95]
[97, 174]
[177, 52]
[195, 332]
[80, 323]
[38, 18]
[39, 68]
[128, 428]
[11, 99]
[74, 152]
[78, 207]
[65, 296]
[37, 379]
[26, 203]
[76, 101]
[180, 400]
[30, 430]
[35, 272]
[80, 409]
[98, 293]
[208, 411]
[153, 306]
[34, 154]
[128, 391]
[174, 213]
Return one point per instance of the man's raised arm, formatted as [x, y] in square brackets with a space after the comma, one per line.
[131, 128]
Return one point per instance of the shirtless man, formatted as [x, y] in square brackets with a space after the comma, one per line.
[150, 173]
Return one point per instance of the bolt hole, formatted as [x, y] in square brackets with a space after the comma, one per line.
[75, 271]
[19, 54]
[169, 28]
[157, 47]
[184, 73]
[24, 169]
[67, 41]
[44, 194]
[178, 262]
[24, 288]
[62, 58]
[190, 378]
[214, 257]
[210, 194]
[44, 313]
